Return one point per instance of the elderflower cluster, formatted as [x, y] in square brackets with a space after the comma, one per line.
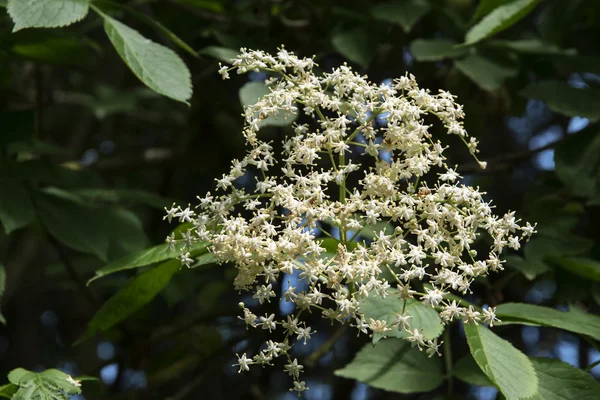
[328, 181]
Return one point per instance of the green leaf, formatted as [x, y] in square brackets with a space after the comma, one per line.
[395, 366]
[157, 66]
[116, 196]
[529, 268]
[355, 46]
[220, 53]
[508, 368]
[204, 259]
[435, 49]
[566, 100]
[543, 247]
[487, 74]
[7, 391]
[145, 257]
[583, 267]
[125, 230]
[251, 92]
[487, 6]
[405, 13]
[532, 46]
[73, 223]
[54, 50]
[561, 381]
[424, 317]
[577, 162]
[46, 13]
[573, 320]
[16, 208]
[499, 19]
[467, 370]
[138, 292]
[50, 384]
[595, 289]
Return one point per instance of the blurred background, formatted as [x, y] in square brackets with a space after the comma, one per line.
[89, 155]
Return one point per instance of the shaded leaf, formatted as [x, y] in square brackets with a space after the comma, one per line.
[573, 320]
[577, 163]
[54, 50]
[157, 66]
[16, 208]
[583, 267]
[424, 317]
[138, 292]
[405, 13]
[507, 367]
[467, 370]
[561, 381]
[46, 13]
[529, 268]
[50, 384]
[220, 53]
[123, 196]
[435, 49]
[251, 92]
[395, 366]
[499, 19]
[486, 73]
[73, 223]
[355, 46]
[487, 6]
[566, 100]
[145, 257]
[532, 46]
[7, 391]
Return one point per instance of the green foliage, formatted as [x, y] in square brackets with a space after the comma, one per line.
[395, 366]
[423, 316]
[435, 49]
[566, 100]
[559, 381]
[405, 13]
[50, 384]
[500, 18]
[354, 45]
[159, 67]
[16, 208]
[578, 163]
[573, 320]
[467, 370]
[136, 294]
[505, 366]
[487, 74]
[8, 391]
[46, 13]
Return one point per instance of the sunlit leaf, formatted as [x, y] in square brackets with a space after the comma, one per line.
[561, 381]
[46, 13]
[50, 384]
[395, 366]
[251, 92]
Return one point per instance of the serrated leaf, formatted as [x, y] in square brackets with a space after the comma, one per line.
[583, 267]
[46, 13]
[507, 367]
[395, 366]
[252, 92]
[138, 292]
[424, 317]
[499, 19]
[8, 391]
[561, 381]
[157, 66]
[405, 13]
[220, 53]
[486, 73]
[573, 320]
[577, 163]
[566, 100]
[145, 257]
[16, 208]
[355, 46]
[50, 384]
[435, 49]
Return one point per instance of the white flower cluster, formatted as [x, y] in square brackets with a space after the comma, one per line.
[331, 178]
